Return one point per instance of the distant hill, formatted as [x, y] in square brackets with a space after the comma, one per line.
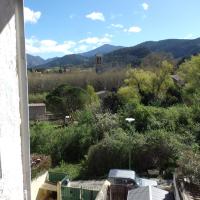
[106, 48]
[68, 60]
[33, 61]
[121, 56]
[77, 59]
[178, 48]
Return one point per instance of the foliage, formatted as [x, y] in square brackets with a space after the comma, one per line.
[189, 72]
[190, 167]
[66, 99]
[107, 154]
[149, 86]
[164, 134]
[73, 170]
[159, 149]
[68, 143]
[94, 99]
[154, 60]
[112, 102]
[37, 98]
[46, 82]
[41, 167]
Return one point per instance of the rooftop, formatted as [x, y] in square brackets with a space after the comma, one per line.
[36, 104]
[148, 193]
[118, 173]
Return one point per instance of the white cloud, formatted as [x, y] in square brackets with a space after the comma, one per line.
[96, 40]
[145, 6]
[133, 29]
[31, 16]
[35, 46]
[96, 16]
[81, 48]
[108, 35]
[117, 25]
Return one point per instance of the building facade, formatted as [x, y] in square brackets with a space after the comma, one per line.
[14, 130]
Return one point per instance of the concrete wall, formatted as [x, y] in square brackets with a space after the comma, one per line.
[37, 111]
[13, 104]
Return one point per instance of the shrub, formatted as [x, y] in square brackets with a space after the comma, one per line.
[37, 97]
[66, 99]
[190, 168]
[112, 102]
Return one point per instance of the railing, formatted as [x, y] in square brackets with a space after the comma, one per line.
[54, 177]
[177, 192]
[71, 193]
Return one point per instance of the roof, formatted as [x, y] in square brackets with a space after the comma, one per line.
[36, 104]
[148, 193]
[146, 182]
[119, 173]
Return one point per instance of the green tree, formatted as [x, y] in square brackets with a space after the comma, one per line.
[148, 85]
[94, 99]
[190, 168]
[112, 102]
[189, 72]
[66, 99]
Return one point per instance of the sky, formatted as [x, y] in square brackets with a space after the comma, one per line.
[56, 28]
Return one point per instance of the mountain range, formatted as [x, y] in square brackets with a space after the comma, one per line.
[178, 48]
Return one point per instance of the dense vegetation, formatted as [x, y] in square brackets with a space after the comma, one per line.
[165, 132]
[46, 82]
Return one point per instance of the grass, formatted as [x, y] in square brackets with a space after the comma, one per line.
[37, 97]
[73, 170]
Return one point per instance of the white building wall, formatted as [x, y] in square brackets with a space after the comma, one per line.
[11, 148]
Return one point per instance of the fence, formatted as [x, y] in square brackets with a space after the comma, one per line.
[54, 177]
[68, 193]
[117, 192]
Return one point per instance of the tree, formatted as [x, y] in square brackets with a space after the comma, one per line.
[112, 102]
[155, 59]
[94, 99]
[189, 72]
[149, 85]
[66, 99]
[190, 168]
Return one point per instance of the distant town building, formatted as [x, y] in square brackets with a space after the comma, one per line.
[99, 63]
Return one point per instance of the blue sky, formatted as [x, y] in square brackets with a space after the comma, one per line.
[57, 28]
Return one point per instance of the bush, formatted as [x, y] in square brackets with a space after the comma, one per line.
[190, 168]
[66, 99]
[107, 154]
[112, 102]
[72, 170]
[68, 143]
[160, 150]
[43, 165]
[37, 97]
